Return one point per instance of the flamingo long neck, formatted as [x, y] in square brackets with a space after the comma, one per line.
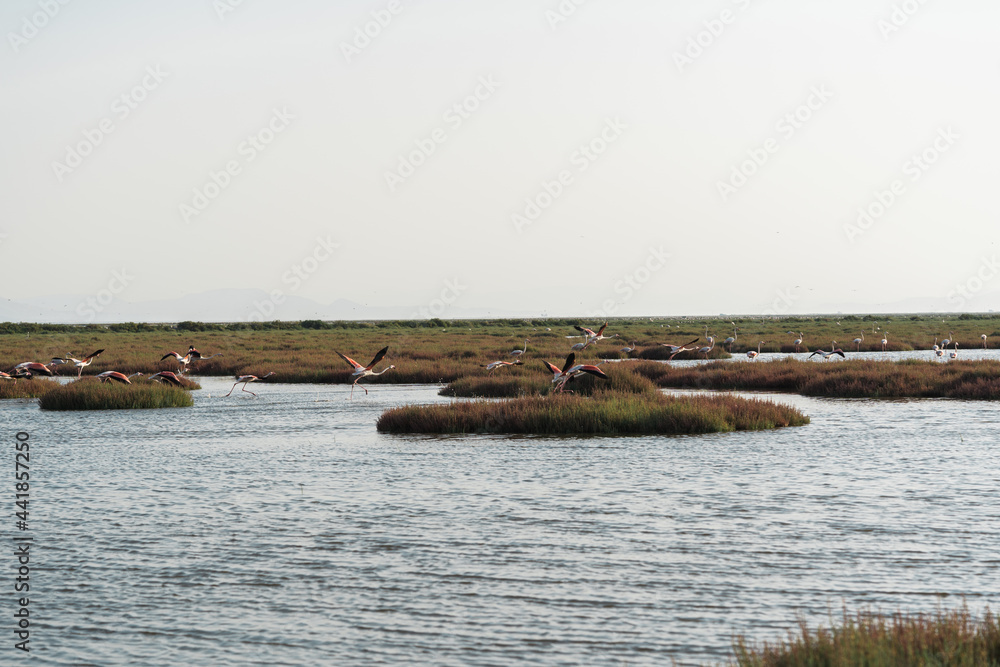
[382, 371]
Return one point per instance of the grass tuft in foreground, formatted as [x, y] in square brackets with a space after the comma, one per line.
[26, 388]
[605, 413]
[945, 638]
[94, 395]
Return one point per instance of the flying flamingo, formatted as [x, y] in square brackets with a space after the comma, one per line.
[593, 337]
[560, 377]
[197, 356]
[170, 378]
[86, 361]
[798, 341]
[57, 361]
[33, 368]
[364, 371]
[753, 354]
[858, 341]
[107, 376]
[181, 361]
[247, 379]
[518, 353]
[885, 339]
[831, 353]
[677, 349]
[984, 340]
[493, 365]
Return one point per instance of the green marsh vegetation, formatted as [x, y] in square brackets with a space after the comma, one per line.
[436, 351]
[949, 637]
[92, 394]
[854, 378]
[22, 388]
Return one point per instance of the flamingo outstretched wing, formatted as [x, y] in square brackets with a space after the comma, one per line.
[378, 357]
[593, 370]
[93, 355]
[171, 355]
[552, 369]
[353, 363]
[589, 332]
[569, 362]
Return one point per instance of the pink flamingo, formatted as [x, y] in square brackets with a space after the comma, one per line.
[107, 376]
[247, 379]
[569, 371]
[364, 371]
[493, 365]
[831, 353]
[753, 354]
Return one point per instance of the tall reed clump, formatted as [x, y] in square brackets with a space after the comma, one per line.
[94, 395]
[945, 638]
[26, 388]
[604, 413]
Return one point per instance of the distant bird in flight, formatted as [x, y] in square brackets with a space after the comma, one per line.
[247, 379]
[81, 363]
[108, 376]
[364, 371]
[168, 377]
[831, 353]
[493, 365]
[560, 377]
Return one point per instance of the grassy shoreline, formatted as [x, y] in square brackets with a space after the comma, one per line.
[434, 351]
[948, 637]
[968, 380]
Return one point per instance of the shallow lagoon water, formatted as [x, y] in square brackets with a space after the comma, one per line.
[286, 530]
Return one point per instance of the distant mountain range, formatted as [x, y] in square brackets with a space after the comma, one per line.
[223, 305]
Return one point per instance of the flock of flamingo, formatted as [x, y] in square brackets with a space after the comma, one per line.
[561, 376]
[29, 369]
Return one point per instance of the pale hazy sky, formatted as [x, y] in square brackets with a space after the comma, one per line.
[668, 121]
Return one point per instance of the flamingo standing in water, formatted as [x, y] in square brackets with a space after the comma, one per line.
[493, 365]
[108, 376]
[629, 350]
[954, 353]
[364, 371]
[708, 348]
[732, 339]
[517, 353]
[885, 339]
[831, 353]
[753, 354]
[859, 341]
[947, 341]
[984, 340]
[82, 363]
[247, 379]
[560, 377]
[798, 341]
